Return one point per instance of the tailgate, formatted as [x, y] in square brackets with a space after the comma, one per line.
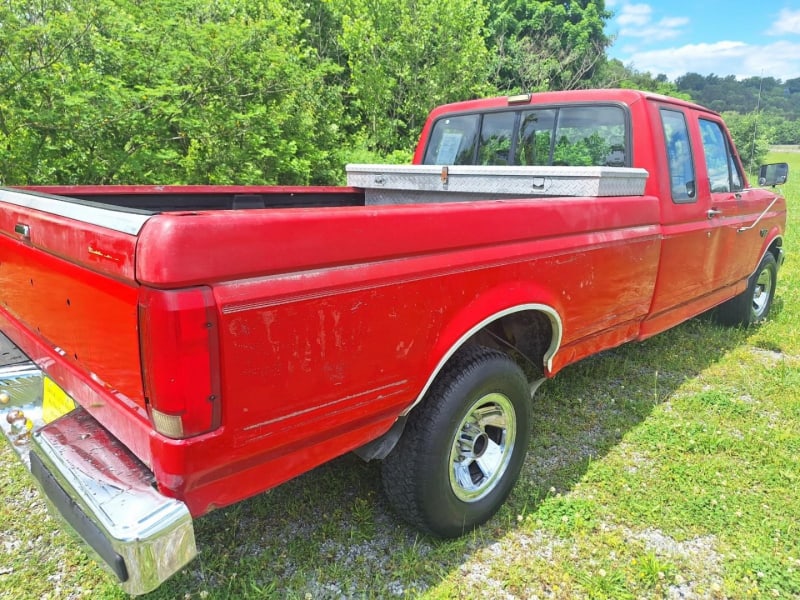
[68, 298]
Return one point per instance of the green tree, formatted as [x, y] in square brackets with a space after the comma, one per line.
[787, 130]
[546, 44]
[405, 58]
[745, 95]
[169, 91]
[752, 137]
[613, 73]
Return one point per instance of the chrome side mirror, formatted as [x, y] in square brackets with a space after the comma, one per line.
[772, 175]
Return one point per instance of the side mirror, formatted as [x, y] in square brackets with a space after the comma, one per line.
[774, 174]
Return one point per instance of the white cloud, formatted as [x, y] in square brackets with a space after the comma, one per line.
[788, 23]
[673, 22]
[641, 27]
[666, 29]
[636, 21]
[780, 60]
[635, 14]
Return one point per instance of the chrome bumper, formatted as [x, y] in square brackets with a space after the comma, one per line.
[94, 483]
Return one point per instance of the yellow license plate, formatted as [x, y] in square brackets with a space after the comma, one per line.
[55, 401]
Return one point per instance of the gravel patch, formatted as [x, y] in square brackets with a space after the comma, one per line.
[702, 576]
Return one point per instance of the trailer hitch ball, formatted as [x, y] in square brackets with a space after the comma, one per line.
[21, 426]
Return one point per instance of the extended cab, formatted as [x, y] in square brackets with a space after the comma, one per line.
[178, 349]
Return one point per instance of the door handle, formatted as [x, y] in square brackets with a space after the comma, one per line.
[713, 212]
[23, 230]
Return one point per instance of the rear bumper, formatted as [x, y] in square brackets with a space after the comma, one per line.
[96, 485]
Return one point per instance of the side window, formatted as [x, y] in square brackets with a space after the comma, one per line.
[453, 140]
[723, 172]
[590, 136]
[679, 156]
[535, 137]
[497, 132]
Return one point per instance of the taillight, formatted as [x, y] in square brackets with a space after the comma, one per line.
[179, 340]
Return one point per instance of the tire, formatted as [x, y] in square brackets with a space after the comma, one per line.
[463, 446]
[752, 306]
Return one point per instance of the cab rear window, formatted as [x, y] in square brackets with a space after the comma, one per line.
[566, 135]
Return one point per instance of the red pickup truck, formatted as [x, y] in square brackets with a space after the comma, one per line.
[178, 349]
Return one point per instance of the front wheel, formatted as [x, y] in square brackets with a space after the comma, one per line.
[463, 446]
[752, 306]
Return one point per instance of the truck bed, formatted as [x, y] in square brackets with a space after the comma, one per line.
[161, 198]
[288, 259]
[373, 185]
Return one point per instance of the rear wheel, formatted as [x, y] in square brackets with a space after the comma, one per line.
[463, 446]
[752, 306]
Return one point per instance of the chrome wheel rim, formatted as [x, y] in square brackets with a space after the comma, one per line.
[762, 293]
[482, 447]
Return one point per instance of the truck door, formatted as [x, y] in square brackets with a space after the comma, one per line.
[732, 207]
[688, 242]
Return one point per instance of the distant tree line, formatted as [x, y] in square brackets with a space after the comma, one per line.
[277, 91]
[744, 96]
[759, 111]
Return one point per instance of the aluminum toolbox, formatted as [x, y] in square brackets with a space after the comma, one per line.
[413, 184]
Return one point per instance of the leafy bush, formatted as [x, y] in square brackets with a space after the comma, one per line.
[752, 137]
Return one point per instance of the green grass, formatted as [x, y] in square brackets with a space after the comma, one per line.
[665, 467]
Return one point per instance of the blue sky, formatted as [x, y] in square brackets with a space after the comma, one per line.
[732, 37]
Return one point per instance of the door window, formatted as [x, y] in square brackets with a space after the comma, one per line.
[679, 156]
[723, 171]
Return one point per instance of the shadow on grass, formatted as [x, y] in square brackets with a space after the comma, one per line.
[330, 533]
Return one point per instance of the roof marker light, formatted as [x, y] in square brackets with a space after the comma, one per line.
[519, 99]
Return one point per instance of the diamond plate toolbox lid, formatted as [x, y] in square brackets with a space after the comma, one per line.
[413, 184]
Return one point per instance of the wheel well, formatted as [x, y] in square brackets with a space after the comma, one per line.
[525, 336]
